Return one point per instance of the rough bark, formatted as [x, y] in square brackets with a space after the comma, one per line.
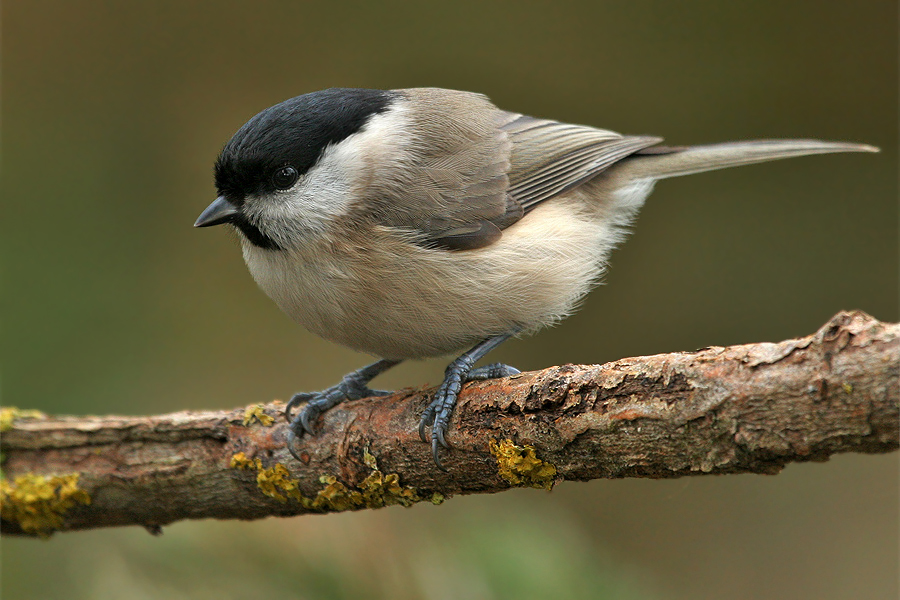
[743, 409]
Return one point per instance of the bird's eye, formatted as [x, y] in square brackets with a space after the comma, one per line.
[285, 177]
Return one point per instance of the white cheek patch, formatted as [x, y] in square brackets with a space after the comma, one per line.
[337, 180]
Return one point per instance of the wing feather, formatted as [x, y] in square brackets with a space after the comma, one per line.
[474, 170]
[550, 158]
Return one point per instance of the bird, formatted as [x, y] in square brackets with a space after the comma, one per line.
[425, 222]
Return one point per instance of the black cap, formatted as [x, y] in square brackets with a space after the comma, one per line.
[294, 132]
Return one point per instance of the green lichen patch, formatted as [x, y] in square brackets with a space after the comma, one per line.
[376, 490]
[520, 466]
[9, 414]
[256, 413]
[37, 503]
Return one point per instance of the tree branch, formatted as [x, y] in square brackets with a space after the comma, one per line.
[742, 409]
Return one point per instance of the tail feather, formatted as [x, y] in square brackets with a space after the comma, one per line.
[660, 162]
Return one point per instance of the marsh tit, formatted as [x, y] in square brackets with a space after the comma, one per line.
[422, 222]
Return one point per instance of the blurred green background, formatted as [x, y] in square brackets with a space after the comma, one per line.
[113, 113]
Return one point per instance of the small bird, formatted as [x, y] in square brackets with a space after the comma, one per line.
[421, 222]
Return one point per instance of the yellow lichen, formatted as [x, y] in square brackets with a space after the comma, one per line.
[384, 490]
[336, 496]
[369, 459]
[9, 414]
[37, 503]
[256, 412]
[520, 466]
[242, 462]
[276, 482]
[374, 491]
[847, 388]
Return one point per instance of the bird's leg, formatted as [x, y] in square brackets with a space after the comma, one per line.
[437, 415]
[352, 387]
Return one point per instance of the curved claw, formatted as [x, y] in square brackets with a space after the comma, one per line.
[305, 419]
[293, 402]
[434, 452]
[438, 433]
[288, 416]
[426, 420]
[291, 438]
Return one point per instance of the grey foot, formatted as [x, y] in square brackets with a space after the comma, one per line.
[437, 415]
[352, 387]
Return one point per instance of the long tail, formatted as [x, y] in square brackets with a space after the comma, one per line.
[660, 162]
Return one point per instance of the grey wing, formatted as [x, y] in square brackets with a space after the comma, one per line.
[450, 189]
[478, 169]
[549, 157]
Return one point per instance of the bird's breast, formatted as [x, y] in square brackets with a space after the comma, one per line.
[375, 292]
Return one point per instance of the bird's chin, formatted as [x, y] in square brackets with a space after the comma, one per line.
[254, 235]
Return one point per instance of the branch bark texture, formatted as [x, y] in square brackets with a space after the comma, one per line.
[743, 409]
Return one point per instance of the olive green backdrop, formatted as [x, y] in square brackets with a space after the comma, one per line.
[113, 113]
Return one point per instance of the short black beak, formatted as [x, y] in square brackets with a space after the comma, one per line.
[220, 211]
